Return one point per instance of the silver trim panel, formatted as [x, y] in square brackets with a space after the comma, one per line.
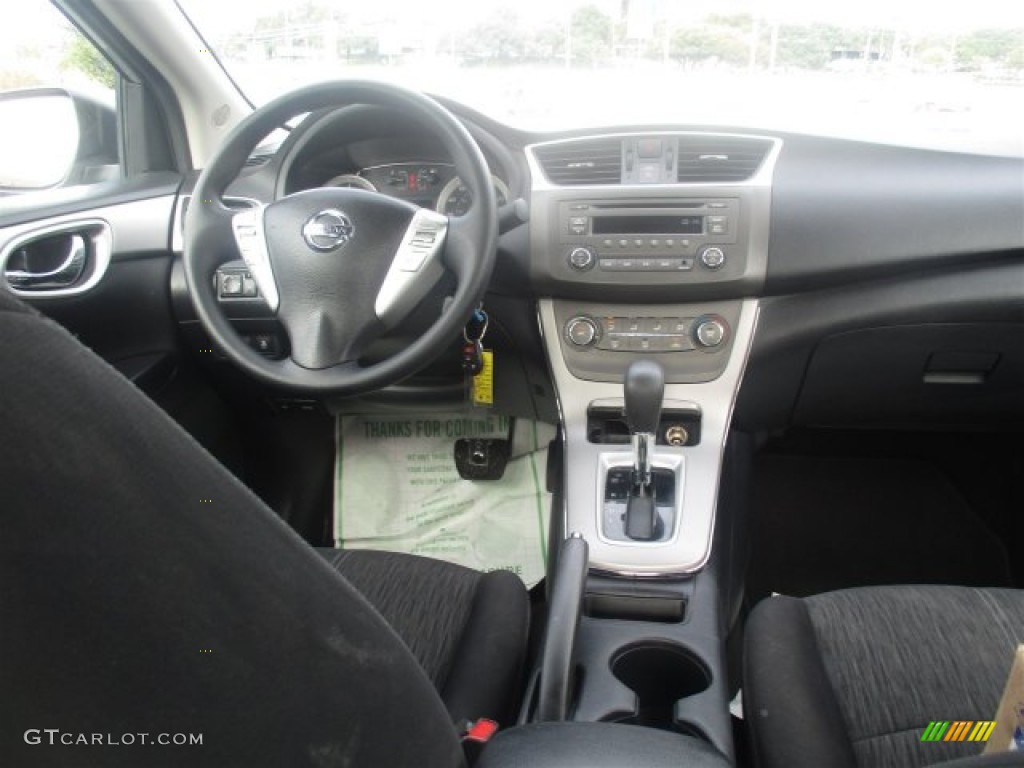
[585, 463]
[415, 267]
[62, 276]
[99, 250]
[252, 245]
[673, 462]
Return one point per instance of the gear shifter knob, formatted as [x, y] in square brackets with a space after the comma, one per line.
[644, 388]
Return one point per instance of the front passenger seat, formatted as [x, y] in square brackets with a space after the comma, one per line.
[851, 679]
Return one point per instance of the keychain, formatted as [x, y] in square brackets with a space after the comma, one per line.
[477, 362]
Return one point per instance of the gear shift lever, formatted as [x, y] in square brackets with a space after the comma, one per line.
[644, 388]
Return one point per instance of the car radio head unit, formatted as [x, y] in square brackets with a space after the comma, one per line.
[598, 237]
[598, 222]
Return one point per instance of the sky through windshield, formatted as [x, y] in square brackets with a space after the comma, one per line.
[903, 71]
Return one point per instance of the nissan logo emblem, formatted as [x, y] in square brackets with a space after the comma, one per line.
[327, 230]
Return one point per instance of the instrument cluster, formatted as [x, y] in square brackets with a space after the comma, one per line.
[428, 185]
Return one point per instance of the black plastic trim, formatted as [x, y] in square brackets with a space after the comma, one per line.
[790, 327]
[40, 206]
[845, 210]
[699, 636]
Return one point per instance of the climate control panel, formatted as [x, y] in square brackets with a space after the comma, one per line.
[690, 341]
[583, 258]
[665, 333]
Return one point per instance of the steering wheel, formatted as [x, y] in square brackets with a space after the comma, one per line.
[340, 267]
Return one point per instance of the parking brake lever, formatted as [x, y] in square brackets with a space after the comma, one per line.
[643, 389]
[555, 686]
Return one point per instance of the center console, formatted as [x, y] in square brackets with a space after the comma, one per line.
[650, 247]
[650, 250]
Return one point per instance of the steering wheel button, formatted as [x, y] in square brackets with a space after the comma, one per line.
[231, 285]
[411, 259]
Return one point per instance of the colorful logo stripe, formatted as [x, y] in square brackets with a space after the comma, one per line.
[958, 730]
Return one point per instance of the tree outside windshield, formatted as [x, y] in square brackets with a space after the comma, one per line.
[903, 71]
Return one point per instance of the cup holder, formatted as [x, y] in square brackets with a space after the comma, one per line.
[659, 674]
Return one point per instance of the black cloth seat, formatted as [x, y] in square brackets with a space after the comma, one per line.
[851, 679]
[147, 591]
[466, 629]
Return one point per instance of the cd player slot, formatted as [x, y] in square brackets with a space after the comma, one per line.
[650, 204]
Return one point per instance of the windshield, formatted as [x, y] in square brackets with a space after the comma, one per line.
[912, 72]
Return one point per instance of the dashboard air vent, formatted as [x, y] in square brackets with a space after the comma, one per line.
[720, 158]
[595, 161]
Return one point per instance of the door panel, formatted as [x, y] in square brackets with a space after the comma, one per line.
[117, 300]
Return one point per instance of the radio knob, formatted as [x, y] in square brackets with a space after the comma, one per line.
[581, 331]
[710, 332]
[712, 258]
[581, 259]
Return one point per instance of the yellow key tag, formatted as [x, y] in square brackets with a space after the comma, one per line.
[482, 390]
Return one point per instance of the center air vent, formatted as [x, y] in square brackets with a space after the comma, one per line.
[720, 158]
[597, 161]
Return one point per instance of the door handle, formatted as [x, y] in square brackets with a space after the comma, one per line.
[63, 276]
[58, 259]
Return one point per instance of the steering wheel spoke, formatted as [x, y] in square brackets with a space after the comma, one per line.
[415, 268]
[252, 244]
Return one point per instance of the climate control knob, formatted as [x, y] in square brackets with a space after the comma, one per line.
[581, 258]
[581, 331]
[709, 332]
[712, 258]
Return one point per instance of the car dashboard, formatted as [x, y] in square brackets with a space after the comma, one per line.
[760, 269]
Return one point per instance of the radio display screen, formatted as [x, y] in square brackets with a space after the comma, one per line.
[648, 225]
